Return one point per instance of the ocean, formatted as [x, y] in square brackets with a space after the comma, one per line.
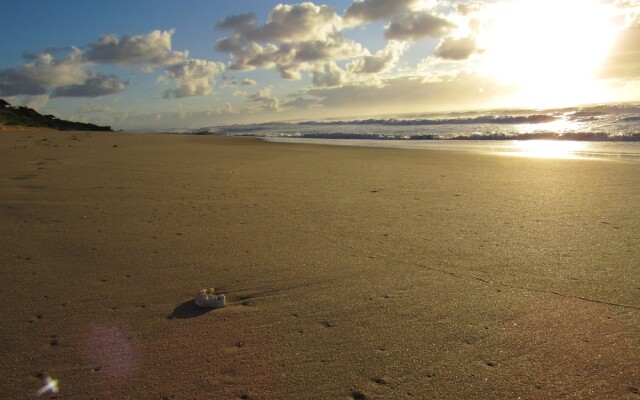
[611, 130]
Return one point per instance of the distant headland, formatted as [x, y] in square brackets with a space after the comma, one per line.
[11, 116]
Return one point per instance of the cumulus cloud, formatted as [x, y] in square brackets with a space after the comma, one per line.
[382, 61]
[192, 77]
[43, 72]
[286, 23]
[290, 58]
[264, 100]
[328, 75]
[455, 48]
[417, 25]
[152, 49]
[96, 85]
[248, 82]
[294, 37]
[363, 11]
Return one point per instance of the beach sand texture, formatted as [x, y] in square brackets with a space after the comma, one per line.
[350, 273]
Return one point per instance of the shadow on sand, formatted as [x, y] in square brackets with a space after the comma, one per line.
[188, 309]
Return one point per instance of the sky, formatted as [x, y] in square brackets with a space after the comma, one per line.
[195, 63]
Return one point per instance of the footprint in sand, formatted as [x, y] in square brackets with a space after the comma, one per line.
[358, 395]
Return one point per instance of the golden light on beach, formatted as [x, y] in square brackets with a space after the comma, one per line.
[549, 148]
[550, 50]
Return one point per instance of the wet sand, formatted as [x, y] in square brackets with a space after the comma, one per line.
[350, 273]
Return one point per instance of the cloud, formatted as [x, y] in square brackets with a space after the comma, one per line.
[470, 7]
[192, 77]
[417, 25]
[411, 94]
[382, 61]
[264, 100]
[96, 85]
[624, 59]
[286, 23]
[240, 22]
[328, 75]
[152, 49]
[295, 37]
[290, 58]
[299, 22]
[42, 73]
[455, 48]
[248, 82]
[301, 102]
[35, 102]
[363, 11]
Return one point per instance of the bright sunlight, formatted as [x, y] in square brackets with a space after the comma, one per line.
[549, 50]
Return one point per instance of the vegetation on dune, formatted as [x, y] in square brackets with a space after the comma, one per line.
[25, 116]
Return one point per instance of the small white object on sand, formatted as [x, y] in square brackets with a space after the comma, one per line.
[208, 299]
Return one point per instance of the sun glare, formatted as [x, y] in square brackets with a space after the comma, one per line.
[549, 149]
[550, 50]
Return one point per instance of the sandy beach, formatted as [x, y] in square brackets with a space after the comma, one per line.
[350, 273]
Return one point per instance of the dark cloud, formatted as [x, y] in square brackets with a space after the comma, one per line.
[240, 22]
[96, 85]
[417, 25]
[364, 11]
[300, 102]
[455, 48]
[153, 49]
[14, 82]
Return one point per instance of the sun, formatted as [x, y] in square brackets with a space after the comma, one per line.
[549, 50]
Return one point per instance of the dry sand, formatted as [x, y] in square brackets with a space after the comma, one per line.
[350, 273]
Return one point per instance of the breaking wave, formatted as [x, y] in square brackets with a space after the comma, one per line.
[610, 123]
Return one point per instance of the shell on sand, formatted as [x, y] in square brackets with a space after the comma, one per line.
[208, 299]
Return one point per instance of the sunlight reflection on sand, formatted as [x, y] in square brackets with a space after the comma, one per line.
[549, 149]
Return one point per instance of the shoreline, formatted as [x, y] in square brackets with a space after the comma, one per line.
[350, 272]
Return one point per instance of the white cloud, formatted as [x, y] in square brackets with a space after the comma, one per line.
[42, 73]
[286, 23]
[290, 58]
[248, 82]
[469, 7]
[192, 77]
[328, 75]
[304, 35]
[264, 100]
[152, 49]
[382, 61]
[417, 25]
